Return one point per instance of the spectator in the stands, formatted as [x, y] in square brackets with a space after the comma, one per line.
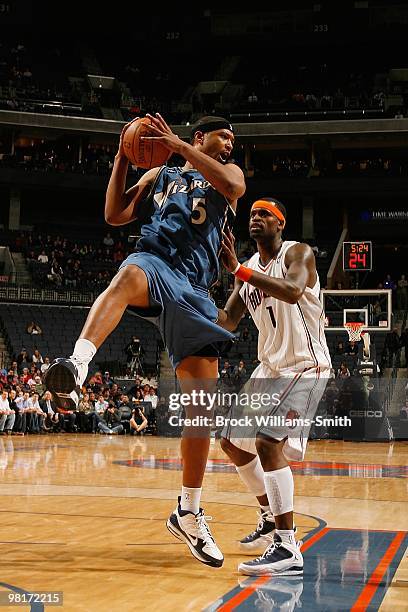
[21, 417]
[30, 379]
[125, 408]
[100, 406]
[86, 415]
[96, 382]
[343, 371]
[39, 413]
[138, 396]
[45, 365]
[404, 410]
[7, 414]
[377, 311]
[154, 396]
[39, 386]
[11, 379]
[138, 422]
[402, 293]
[68, 419]
[108, 240]
[37, 358]
[110, 422]
[34, 329]
[23, 360]
[389, 283]
[14, 367]
[115, 392]
[30, 413]
[340, 348]
[53, 419]
[150, 395]
[226, 371]
[92, 397]
[13, 406]
[56, 274]
[43, 257]
[25, 375]
[107, 380]
[239, 374]
[352, 349]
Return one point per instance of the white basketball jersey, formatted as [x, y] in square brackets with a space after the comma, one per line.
[291, 336]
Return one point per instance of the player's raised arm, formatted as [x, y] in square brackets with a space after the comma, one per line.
[121, 205]
[301, 272]
[211, 147]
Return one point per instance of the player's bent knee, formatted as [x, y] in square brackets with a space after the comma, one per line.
[227, 447]
[267, 446]
[130, 280]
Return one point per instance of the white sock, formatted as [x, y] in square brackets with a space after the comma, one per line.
[279, 489]
[190, 499]
[265, 508]
[84, 351]
[287, 536]
[252, 475]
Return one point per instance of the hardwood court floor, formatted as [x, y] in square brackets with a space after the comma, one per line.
[86, 515]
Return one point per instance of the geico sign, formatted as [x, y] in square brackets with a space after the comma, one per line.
[366, 413]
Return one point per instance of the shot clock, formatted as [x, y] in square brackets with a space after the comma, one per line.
[357, 256]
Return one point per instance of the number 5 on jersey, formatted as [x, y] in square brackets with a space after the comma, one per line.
[198, 212]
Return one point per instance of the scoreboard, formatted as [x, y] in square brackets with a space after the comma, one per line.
[357, 256]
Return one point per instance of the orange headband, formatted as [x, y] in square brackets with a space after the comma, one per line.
[271, 207]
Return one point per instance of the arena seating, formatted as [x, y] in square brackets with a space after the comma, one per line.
[61, 327]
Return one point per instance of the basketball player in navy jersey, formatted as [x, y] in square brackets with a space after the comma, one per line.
[166, 281]
[279, 286]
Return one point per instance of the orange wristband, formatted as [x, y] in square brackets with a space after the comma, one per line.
[243, 273]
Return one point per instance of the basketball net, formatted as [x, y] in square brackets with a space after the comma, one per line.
[355, 332]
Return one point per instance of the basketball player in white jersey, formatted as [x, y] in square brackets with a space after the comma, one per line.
[279, 286]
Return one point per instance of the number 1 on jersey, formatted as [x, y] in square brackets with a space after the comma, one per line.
[270, 310]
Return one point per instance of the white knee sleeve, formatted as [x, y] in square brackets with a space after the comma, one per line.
[279, 489]
[252, 475]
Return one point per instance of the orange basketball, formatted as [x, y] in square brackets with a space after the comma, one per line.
[143, 153]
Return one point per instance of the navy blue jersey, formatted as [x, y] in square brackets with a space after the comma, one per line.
[185, 225]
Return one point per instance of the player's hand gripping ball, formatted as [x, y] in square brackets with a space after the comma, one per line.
[143, 153]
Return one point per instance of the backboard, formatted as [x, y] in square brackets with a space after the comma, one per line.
[373, 307]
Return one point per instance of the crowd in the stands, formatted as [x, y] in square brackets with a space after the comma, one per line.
[104, 407]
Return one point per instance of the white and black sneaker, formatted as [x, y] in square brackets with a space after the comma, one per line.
[279, 559]
[257, 541]
[194, 531]
[64, 378]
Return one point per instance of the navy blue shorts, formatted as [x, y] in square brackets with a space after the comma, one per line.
[185, 314]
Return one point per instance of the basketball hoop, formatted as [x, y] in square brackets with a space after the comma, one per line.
[354, 330]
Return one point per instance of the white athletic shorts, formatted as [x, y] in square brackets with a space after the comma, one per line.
[276, 408]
